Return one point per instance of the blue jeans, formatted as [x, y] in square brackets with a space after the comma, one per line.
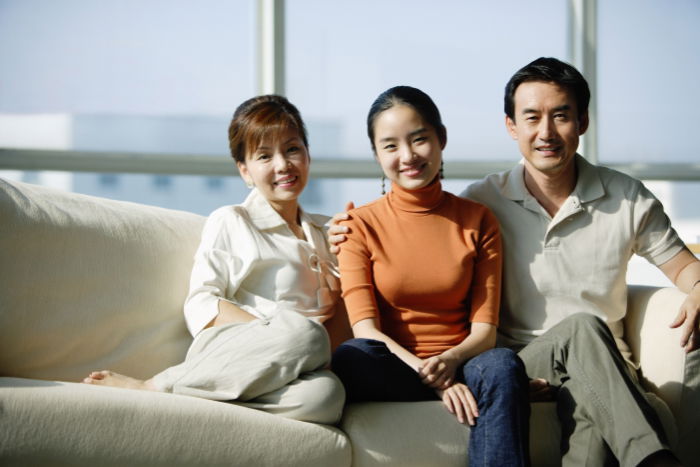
[496, 378]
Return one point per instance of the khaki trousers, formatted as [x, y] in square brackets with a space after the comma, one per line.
[601, 406]
[275, 365]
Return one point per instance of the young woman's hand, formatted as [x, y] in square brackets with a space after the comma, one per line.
[438, 372]
[459, 401]
[336, 231]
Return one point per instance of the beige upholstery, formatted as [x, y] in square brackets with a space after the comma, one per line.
[664, 368]
[89, 283]
[420, 434]
[49, 423]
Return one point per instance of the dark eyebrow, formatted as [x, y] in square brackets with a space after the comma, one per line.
[528, 110]
[418, 131]
[413, 133]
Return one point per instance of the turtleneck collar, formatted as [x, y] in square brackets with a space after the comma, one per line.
[420, 200]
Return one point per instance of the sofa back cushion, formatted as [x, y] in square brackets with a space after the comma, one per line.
[89, 283]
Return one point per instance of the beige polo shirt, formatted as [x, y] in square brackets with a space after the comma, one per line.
[576, 261]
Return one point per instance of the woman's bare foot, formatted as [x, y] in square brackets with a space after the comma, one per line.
[109, 378]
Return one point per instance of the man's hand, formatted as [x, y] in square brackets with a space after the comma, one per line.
[684, 271]
[459, 401]
[336, 232]
[438, 372]
[689, 318]
[541, 391]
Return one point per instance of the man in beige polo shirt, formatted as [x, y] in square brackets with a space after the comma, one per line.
[569, 229]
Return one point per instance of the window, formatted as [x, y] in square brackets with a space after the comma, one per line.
[108, 181]
[340, 56]
[158, 80]
[128, 75]
[648, 64]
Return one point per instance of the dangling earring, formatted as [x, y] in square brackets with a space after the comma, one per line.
[442, 170]
[383, 189]
[249, 184]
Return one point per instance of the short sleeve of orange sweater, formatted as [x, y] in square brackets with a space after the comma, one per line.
[423, 263]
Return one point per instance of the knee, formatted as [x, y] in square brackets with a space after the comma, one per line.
[325, 401]
[295, 331]
[354, 352]
[359, 344]
[586, 323]
[500, 360]
[498, 367]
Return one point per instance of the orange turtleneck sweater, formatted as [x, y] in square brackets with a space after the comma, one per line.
[425, 263]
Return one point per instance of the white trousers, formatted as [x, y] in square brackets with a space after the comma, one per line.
[276, 365]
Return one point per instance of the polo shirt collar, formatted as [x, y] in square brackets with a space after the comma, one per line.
[589, 187]
[265, 217]
[514, 188]
[588, 184]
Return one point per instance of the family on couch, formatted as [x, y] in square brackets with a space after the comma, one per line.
[420, 275]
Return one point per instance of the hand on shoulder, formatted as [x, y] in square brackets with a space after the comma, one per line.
[336, 231]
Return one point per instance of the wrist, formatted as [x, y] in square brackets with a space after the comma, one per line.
[450, 356]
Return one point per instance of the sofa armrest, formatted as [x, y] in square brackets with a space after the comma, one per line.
[655, 346]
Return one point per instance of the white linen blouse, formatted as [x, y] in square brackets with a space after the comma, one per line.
[250, 257]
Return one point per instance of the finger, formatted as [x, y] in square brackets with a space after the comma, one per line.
[337, 218]
[335, 229]
[429, 380]
[459, 407]
[349, 205]
[472, 402]
[686, 332]
[465, 407]
[441, 380]
[430, 371]
[428, 366]
[335, 239]
[448, 382]
[680, 317]
[448, 402]
[693, 342]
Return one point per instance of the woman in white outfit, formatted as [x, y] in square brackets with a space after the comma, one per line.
[262, 284]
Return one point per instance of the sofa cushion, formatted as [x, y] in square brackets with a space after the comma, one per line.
[424, 434]
[89, 283]
[51, 423]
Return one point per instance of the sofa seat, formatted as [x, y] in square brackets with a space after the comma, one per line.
[62, 423]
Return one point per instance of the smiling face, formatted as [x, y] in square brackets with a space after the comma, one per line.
[408, 148]
[279, 168]
[547, 127]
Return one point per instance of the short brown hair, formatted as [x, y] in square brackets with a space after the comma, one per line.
[259, 117]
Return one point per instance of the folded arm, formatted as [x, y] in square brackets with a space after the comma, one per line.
[230, 313]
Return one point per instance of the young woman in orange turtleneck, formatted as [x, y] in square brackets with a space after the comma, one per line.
[421, 278]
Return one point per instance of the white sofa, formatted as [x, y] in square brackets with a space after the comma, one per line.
[89, 283]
